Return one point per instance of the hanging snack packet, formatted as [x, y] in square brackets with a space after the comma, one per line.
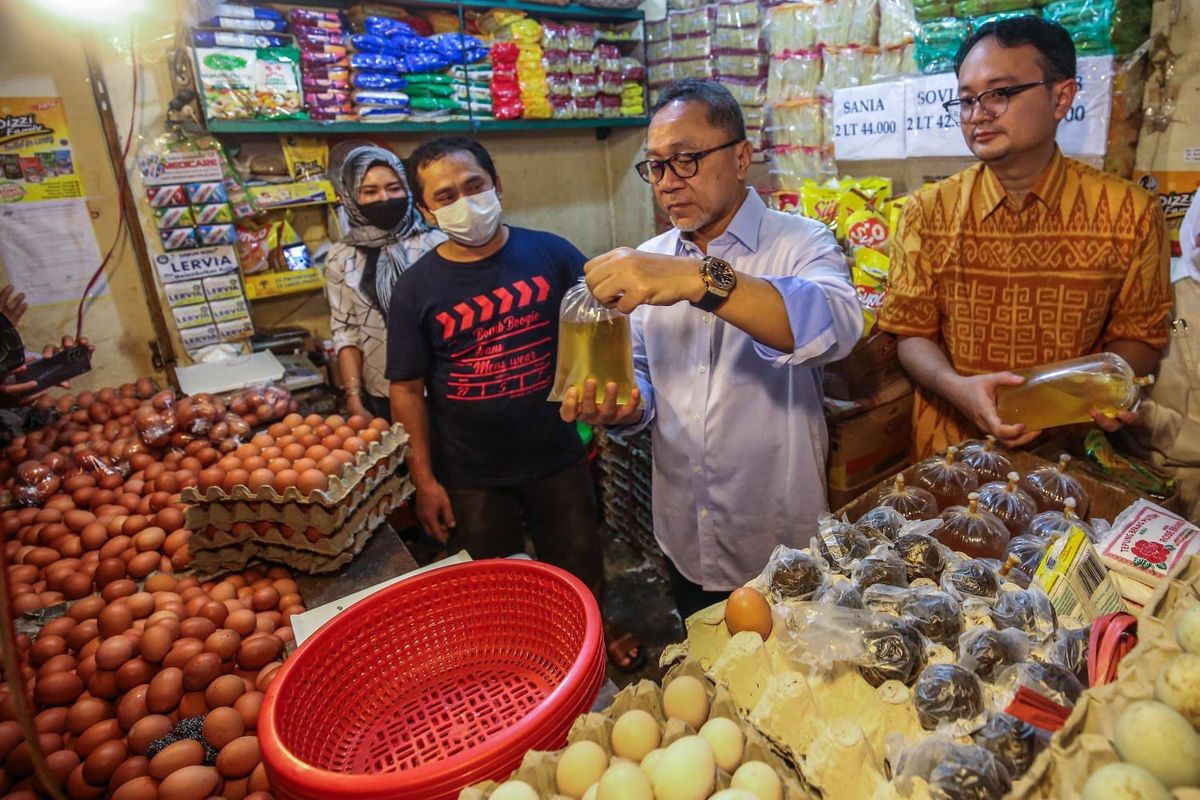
[307, 157]
[227, 78]
[869, 275]
[277, 83]
[594, 343]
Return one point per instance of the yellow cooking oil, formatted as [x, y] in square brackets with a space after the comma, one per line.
[1066, 393]
[599, 350]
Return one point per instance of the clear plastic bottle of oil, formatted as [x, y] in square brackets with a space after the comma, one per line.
[1065, 392]
[594, 343]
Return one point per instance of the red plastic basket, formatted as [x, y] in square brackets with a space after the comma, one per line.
[435, 683]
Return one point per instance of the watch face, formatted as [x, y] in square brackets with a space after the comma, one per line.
[721, 274]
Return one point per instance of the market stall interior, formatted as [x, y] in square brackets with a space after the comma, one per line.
[220, 574]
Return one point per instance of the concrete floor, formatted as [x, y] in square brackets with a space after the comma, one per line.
[636, 597]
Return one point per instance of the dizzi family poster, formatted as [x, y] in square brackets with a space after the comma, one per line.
[36, 161]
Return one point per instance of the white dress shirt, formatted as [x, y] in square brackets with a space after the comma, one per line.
[739, 436]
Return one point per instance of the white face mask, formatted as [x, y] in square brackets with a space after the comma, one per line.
[472, 220]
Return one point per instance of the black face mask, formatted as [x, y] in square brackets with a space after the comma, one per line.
[385, 214]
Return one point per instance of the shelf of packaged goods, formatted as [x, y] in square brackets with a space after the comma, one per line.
[276, 127]
[568, 11]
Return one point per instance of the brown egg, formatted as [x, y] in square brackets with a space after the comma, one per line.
[379, 424]
[103, 683]
[134, 672]
[354, 445]
[58, 689]
[133, 767]
[241, 622]
[113, 652]
[294, 451]
[166, 689]
[144, 563]
[312, 480]
[115, 619]
[156, 643]
[255, 653]
[176, 756]
[140, 788]
[254, 463]
[110, 568]
[183, 651]
[88, 607]
[224, 691]
[146, 731]
[748, 610]
[80, 789]
[200, 671]
[52, 720]
[224, 643]
[199, 627]
[98, 734]
[285, 480]
[266, 599]
[222, 726]
[46, 648]
[86, 712]
[267, 675]
[103, 762]
[234, 478]
[61, 764]
[248, 706]
[213, 476]
[193, 704]
[189, 783]
[260, 478]
[239, 757]
[132, 707]
[141, 604]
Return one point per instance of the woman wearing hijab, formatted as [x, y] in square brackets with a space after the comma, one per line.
[387, 235]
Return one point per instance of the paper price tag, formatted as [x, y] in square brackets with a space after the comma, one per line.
[868, 122]
[1084, 131]
[928, 130]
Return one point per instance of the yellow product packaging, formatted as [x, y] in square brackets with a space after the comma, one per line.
[495, 20]
[819, 202]
[867, 228]
[786, 201]
[307, 157]
[870, 275]
[877, 189]
[850, 201]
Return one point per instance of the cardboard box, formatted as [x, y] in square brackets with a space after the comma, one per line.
[867, 447]
[866, 371]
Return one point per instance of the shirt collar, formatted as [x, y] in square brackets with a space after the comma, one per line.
[744, 227]
[1048, 189]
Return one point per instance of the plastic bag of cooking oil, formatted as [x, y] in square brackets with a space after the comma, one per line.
[1066, 392]
[1051, 485]
[594, 343]
[947, 478]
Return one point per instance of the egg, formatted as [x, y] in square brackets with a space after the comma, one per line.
[103, 762]
[580, 766]
[747, 610]
[650, 762]
[686, 771]
[1123, 782]
[734, 794]
[635, 734]
[176, 756]
[1157, 738]
[239, 757]
[590, 794]
[248, 706]
[759, 779]
[222, 726]
[726, 740]
[312, 480]
[623, 780]
[146, 731]
[514, 790]
[285, 480]
[1187, 630]
[143, 788]
[166, 690]
[1177, 685]
[189, 783]
[686, 699]
[201, 670]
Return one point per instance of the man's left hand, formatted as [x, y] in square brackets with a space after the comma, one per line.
[626, 278]
[1112, 424]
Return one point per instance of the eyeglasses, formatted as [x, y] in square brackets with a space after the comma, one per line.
[682, 165]
[993, 101]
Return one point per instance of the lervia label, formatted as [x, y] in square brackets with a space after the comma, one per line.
[203, 263]
[868, 122]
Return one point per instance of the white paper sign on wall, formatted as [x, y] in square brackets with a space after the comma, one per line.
[928, 130]
[868, 122]
[1084, 131]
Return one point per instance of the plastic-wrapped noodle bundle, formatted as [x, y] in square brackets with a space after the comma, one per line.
[797, 122]
[938, 42]
[791, 27]
[793, 75]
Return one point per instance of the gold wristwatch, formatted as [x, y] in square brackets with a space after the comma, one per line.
[719, 281]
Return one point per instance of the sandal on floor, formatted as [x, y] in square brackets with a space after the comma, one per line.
[619, 644]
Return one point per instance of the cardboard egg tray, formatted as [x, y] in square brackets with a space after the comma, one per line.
[390, 449]
[539, 767]
[1084, 744]
[229, 515]
[227, 551]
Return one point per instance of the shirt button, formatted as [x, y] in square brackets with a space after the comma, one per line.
[704, 512]
[703, 369]
[708, 319]
[697, 469]
[696, 418]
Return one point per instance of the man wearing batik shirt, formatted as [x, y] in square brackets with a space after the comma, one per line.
[1024, 259]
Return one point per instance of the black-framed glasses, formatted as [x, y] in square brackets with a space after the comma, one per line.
[993, 101]
[682, 165]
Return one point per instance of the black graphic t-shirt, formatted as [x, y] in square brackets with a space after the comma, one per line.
[484, 336]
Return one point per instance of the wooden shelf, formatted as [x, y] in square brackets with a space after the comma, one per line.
[276, 127]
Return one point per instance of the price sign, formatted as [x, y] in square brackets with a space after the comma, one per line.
[1084, 131]
[928, 130]
[868, 122]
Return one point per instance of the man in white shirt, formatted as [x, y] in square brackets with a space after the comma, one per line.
[734, 311]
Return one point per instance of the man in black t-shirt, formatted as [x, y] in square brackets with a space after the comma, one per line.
[472, 340]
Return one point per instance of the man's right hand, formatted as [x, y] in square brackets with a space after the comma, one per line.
[975, 397]
[433, 509]
[585, 408]
[355, 406]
